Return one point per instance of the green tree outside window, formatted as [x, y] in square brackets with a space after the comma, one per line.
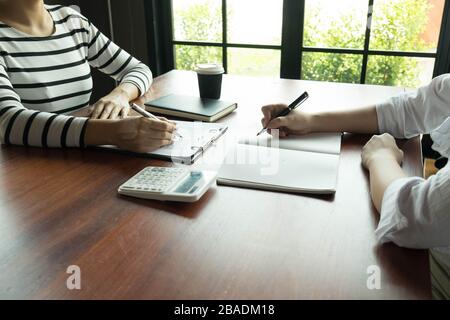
[399, 25]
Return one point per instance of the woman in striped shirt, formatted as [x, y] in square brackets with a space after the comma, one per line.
[46, 53]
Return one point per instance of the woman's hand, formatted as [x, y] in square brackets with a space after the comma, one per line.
[113, 106]
[360, 120]
[296, 122]
[116, 105]
[137, 134]
[382, 158]
[142, 135]
[381, 147]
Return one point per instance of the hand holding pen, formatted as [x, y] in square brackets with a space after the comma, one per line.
[147, 114]
[279, 116]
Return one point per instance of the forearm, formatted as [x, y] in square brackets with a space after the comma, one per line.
[127, 90]
[363, 120]
[100, 132]
[383, 171]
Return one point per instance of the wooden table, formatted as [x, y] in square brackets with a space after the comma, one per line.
[61, 208]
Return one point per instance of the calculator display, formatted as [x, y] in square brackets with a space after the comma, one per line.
[191, 183]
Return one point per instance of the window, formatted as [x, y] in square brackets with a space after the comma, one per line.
[388, 42]
[234, 33]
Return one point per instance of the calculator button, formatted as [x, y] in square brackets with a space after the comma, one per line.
[155, 179]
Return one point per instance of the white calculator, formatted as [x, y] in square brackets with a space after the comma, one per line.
[168, 184]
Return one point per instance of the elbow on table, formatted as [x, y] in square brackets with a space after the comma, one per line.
[419, 230]
[412, 215]
[423, 237]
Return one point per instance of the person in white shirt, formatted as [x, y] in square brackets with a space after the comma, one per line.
[414, 212]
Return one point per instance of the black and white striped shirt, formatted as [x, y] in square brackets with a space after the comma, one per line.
[41, 78]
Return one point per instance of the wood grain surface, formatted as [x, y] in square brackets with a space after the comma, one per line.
[60, 208]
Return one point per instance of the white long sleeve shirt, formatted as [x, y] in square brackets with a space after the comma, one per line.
[41, 78]
[415, 212]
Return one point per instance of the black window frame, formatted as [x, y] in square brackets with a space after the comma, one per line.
[224, 44]
[291, 47]
[365, 52]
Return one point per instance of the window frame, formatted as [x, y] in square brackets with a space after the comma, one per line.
[291, 47]
[224, 44]
[366, 51]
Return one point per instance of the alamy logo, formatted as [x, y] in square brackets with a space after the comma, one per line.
[374, 278]
[73, 282]
[232, 149]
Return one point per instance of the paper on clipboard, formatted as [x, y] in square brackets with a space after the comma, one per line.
[196, 138]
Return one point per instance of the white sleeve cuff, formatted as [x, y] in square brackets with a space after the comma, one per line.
[391, 117]
[391, 218]
[75, 135]
[141, 76]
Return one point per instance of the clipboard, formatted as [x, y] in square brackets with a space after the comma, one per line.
[197, 138]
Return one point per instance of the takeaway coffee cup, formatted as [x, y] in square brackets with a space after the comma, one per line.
[209, 80]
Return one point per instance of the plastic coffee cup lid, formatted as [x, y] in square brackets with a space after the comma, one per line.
[209, 68]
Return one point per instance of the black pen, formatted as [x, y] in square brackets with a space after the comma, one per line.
[286, 111]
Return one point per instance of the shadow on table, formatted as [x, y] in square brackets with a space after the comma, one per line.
[401, 267]
[188, 210]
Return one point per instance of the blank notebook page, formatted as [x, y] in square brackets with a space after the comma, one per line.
[315, 142]
[280, 169]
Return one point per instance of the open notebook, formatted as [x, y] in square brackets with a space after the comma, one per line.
[297, 164]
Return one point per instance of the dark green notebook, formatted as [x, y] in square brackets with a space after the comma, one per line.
[189, 107]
